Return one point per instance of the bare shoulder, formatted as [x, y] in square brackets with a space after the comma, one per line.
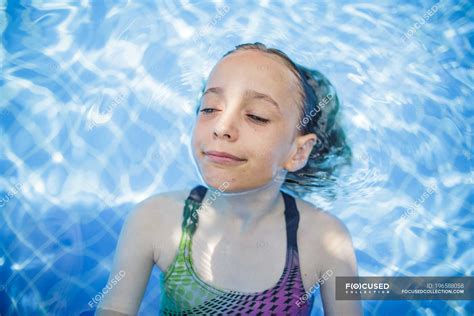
[159, 218]
[161, 206]
[168, 196]
[322, 231]
[318, 221]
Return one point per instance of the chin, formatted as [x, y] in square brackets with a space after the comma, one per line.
[223, 183]
[230, 184]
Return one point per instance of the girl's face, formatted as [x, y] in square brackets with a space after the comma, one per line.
[249, 110]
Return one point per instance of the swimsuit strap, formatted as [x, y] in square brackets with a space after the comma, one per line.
[197, 193]
[194, 200]
[292, 218]
[185, 293]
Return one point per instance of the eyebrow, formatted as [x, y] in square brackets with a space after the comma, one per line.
[249, 93]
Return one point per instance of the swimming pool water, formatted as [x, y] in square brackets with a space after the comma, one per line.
[97, 104]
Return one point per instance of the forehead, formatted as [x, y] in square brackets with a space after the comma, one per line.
[252, 69]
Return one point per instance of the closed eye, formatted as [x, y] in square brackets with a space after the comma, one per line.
[258, 119]
[254, 118]
[208, 110]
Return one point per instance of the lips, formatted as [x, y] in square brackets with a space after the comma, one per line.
[223, 154]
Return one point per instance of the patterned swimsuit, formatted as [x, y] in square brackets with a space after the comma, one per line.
[185, 293]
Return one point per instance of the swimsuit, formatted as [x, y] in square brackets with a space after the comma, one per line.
[185, 293]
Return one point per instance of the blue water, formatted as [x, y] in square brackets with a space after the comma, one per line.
[97, 104]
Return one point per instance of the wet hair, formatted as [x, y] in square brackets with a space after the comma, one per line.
[319, 105]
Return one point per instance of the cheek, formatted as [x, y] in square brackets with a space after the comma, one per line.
[196, 138]
[276, 151]
[266, 150]
[199, 128]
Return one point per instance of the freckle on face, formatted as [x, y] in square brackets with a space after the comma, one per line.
[266, 69]
[236, 73]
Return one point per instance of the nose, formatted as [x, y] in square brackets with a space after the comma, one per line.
[225, 126]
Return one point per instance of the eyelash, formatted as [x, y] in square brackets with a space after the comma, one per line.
[251, 116]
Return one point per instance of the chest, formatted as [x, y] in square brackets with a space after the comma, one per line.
[247, 262]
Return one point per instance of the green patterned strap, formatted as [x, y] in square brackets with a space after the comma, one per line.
[190, 216]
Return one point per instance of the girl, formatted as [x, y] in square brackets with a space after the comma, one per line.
[240, 245]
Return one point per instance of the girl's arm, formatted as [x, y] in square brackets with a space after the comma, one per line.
[133, 262]
[338, 260]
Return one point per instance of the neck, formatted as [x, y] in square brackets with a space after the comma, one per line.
[244, 209]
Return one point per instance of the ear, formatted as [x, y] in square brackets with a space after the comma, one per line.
[301, 149]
